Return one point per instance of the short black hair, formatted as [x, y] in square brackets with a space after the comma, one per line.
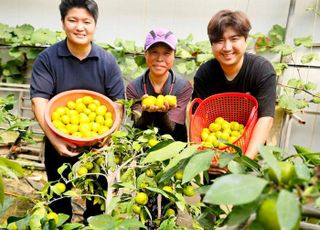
[90, 5]
[237, 20]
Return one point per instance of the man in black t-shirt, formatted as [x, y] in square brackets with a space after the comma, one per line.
[234, 70]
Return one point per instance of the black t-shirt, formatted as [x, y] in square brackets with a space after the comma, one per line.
[256, 77]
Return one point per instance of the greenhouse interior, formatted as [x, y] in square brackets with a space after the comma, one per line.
[160, 115]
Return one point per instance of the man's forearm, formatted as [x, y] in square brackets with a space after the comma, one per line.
[259, 136]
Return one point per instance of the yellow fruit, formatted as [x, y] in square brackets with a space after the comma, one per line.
[80, 107]
[167, 189]
[101, 110]
[149, 101]
[219, 120]
[214, 127]
[234, 125]
[267, 214]
[65, 119]
[74, 119]
[225, 125]
[103, 129]
[53, 216]
[60, 187]
[149, 173]
[85, 127]
[60, 110]
[96, 102]
[95, 126]
[92, 116]
[82, 171]
[160, 101]
[188, 191]
[108, 122]
[55, 115]
[108, 115]
[211, 138]
[71, 104]
[179, 175]
[87, 100]
[141, 198]
[136, 208]
[100, 119]
[171, 99]
[152, 142]
[93, 107]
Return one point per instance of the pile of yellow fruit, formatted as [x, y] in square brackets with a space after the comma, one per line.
[221, 129]
[85, 117]
[159, 101]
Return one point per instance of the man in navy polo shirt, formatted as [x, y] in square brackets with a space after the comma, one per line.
[75, 63]
[159, 79]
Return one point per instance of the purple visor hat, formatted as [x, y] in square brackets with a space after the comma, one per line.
[160, 35]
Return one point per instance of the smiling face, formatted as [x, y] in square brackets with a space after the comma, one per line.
[229, 50]
[79, 26]
[159, 59]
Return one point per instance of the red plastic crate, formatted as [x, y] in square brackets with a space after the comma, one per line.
[233, 106]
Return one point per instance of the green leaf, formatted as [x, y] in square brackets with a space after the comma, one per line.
[235, 189]
[305, 41]
[236, 168]
[271, 160]
[108, 222]
[283, 49]
[288, 209]
[303, 172]
[8, 202]
[250, 163]
[186, 153]
[225, 158]
[289, 103]
[197, 164]
[1, 190]
[204, 57]
[310, 155]
[43, 36]
[72, 226]
[277, 34]
[11, 167]
[316, 98]
[165, 153]
[241, 213]
[307, 58]
[279, 67]
[130, 224]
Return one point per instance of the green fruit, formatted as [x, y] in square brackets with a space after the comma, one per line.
[287, 172]
[170, 212]
[88, 165]
[82, 171]
[141, 198]
[267, 214]
[179, 175]
[188, 191]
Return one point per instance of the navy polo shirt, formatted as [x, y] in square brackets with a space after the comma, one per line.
[56, 70]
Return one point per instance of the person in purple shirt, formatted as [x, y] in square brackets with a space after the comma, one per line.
[159, 79]
[74, 63]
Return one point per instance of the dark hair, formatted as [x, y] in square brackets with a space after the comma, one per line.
[237, 20]
[90, 5]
